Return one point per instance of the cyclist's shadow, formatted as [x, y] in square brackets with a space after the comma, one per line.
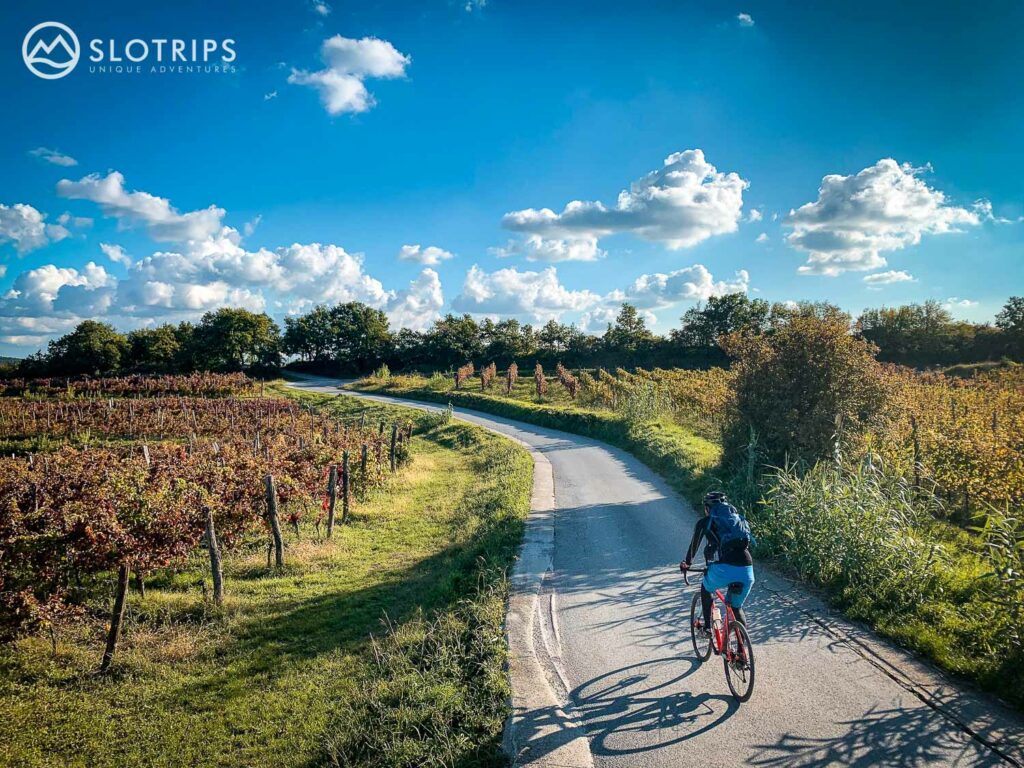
[619, 706]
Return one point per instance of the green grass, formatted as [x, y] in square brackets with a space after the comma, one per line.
[285, 674]
[684, 458]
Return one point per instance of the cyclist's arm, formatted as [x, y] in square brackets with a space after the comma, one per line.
[699, 532]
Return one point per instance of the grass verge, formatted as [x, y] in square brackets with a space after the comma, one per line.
[684, 458]
[288, 672]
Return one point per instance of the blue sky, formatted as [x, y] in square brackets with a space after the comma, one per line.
[447, 117]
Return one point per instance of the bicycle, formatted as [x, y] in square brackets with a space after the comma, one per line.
[728, 638]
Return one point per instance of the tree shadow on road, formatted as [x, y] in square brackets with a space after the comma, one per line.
[903, 738]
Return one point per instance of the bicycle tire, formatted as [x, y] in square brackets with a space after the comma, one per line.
[739, 674]
[697, 612]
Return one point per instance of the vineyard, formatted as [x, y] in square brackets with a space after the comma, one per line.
[138, 483]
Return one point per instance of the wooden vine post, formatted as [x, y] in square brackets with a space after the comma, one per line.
[332, 497]
[362, 463]
[346, 487]
[216, 569]
[275, 522]
[394, 446]
[116, 616]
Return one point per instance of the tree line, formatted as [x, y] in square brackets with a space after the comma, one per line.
[354, 338]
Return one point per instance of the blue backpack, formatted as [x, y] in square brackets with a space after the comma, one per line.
[730, 527]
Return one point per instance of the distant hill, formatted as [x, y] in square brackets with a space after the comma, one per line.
[9, 360]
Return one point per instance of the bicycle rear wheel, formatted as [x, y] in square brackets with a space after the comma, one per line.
[739, 662]
[701, 640]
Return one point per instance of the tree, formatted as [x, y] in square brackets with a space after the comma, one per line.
[452, 341]
[94, 348]
[230, 339]
[721, 315]
[803, 386]
[510, 341]
[915, 334]
[310, 336]
[154, 349]
[361, 337]
[629, 335]
[1010, 320]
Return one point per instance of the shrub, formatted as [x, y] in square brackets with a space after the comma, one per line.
[463, 373]
[511, 376]
[803, 388]
[381, 374]
[487, 374]
[570, 382]
[540, 382]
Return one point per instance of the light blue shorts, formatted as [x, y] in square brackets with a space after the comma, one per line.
[720, 576]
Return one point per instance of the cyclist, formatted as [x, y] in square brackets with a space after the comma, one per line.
[727, 553]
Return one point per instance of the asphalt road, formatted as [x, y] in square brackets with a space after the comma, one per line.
[619, 655]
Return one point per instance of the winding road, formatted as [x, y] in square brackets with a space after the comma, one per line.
[602, 669]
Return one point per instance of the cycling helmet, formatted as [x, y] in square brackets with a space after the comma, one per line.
[714, 497]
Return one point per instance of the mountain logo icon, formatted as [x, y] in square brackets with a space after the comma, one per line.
[50, 50]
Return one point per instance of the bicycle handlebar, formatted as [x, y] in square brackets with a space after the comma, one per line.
[688, 571]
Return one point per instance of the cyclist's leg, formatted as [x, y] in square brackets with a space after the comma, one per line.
[743, 579]
[712, 580]
[705, 604]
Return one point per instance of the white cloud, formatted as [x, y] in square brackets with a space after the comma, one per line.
[27, 229]
[321, 8]
[53, 156]
[430, 256]
[681, 204]
[269, 96]
[536, 296]
[984, 210]
[885, 207]
[954, 302]
[688, 284]
[419, 305]
[161, 220]
[250, 226]
[888, 278]
[474, 5]
[762, 238]
[51, 299]
[745, 20]
[116, 254]
[537, 248]
[755, 215]
[350, 62]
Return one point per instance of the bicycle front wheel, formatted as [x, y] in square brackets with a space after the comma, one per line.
[739, 662]
[701, 638]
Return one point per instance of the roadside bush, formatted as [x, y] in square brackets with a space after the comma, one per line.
[803, 388]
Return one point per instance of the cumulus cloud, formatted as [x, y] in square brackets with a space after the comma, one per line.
[755, 215]
[681, 204]
[537, 296]
[116, 254]
[537, 248]
[53, 156]
[856, 218]
[161, 220]
[954, 302]
[745, 20]
[51, 299]
[26, 228]
[321, 8]
[888, 278]
[349, 63]
[762, 238]
[688, 284]
[429, 256]
[270, 95]
[419, 305]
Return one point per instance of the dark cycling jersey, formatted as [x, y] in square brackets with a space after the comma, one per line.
[738, 554]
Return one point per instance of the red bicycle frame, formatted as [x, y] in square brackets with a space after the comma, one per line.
[720, 634]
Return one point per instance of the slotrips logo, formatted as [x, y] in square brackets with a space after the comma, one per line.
[50, 50]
